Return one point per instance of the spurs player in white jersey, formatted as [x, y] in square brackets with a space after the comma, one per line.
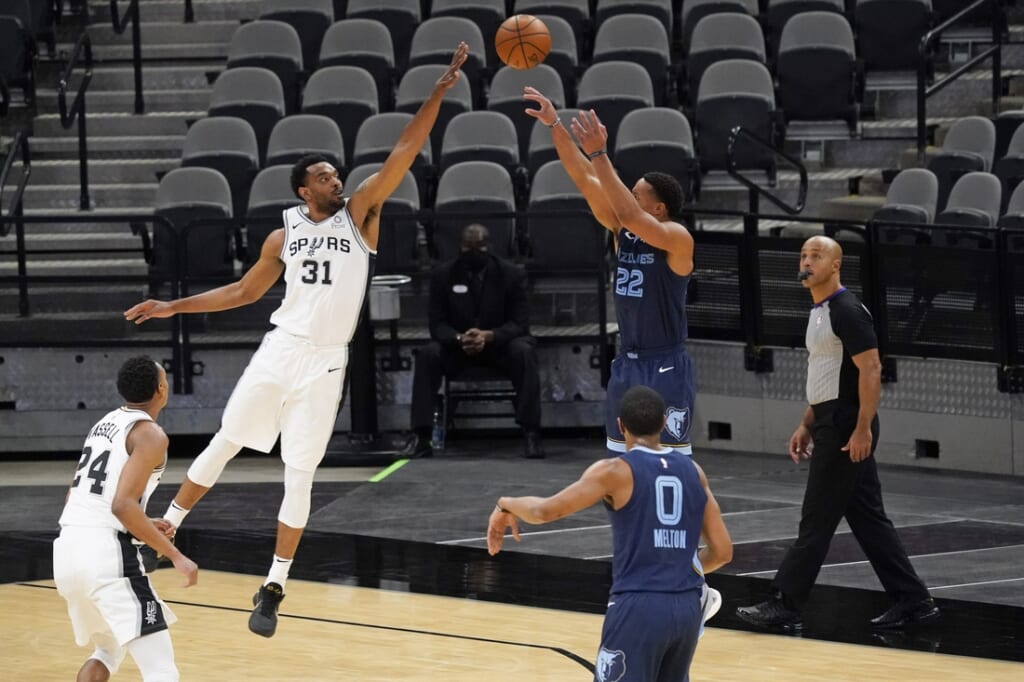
[96, 567]
[293, 383]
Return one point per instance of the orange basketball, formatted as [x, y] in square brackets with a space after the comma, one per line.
[522, 41]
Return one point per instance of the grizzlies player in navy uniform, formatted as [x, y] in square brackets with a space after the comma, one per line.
[660, 505]
[293, 383]
[97, 569]
[840, 424]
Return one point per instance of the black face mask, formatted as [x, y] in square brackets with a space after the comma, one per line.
[474, 260]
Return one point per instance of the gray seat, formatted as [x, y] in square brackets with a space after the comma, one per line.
[345, 94]
[377, 137]
[309, 18]
[973, 202]
[186, 195]
[364, 43]
[296, 136]
[480, 136]
[613, 89]
[228, 145]
[506, 96]
[397, 242]
[541, 148]
[251, 93]
[1010, 168]
[1014, 214]
[912, 198]
[817, 69]
[657, 9]
[889, 32]
[271, 194]
[576, 13]
[969, 146]
[564, 56]
[639, 39]
[779, 12]
[436, 39]
[735, 92]
[562, 242]
[695, 10]
[486, 14]
[416, 86]
[400, 16]
[656, 139]
[272, 45]
[466, 192]
[716, 37]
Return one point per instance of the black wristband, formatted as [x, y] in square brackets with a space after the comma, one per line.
[558, 122]
[599, 152]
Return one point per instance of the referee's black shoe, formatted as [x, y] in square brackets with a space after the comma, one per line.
[772, 613]
[263, 620]
[907, 613]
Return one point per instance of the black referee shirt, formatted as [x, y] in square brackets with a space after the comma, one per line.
[839, 328]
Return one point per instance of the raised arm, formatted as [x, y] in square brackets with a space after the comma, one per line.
[250, 288]
[576, 165]
[668, 236]
[365, 204]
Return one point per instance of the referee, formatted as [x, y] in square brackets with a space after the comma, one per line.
[841, 426]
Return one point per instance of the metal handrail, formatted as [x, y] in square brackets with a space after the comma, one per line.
[190, 15]
[120, 22]
[19, 144]
[77, 110]
[924, 91]
[740, 131]
[5, 97]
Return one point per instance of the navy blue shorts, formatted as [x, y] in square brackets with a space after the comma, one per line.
[670, 373]
[648, 637]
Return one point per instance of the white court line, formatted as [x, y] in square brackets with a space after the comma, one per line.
[983, 582]
[912, 556]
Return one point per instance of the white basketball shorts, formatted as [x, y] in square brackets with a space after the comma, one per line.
[291, 388]
[99, 573]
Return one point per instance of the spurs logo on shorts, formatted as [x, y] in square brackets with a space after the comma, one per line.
[151, 613]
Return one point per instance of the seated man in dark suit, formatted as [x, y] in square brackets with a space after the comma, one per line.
[478, 317]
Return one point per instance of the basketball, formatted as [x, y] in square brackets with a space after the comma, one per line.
[522, 41]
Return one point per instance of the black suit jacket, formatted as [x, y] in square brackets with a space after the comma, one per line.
[501, 305]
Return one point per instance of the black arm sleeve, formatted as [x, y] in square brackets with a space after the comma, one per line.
[853, 324]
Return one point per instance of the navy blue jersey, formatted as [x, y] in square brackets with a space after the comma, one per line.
[650, 299]
[656, 534]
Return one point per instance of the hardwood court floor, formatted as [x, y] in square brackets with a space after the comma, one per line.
[338, 632]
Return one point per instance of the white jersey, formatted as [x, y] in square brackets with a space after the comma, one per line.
[326, 268]
[104, 457]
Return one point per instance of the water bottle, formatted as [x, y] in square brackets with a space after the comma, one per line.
[437, 433]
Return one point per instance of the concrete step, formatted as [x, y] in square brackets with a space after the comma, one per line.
[957, 99]
[102, 196]
[174, 10]
[120, 245]
[94, 267]
[111, 147]
[100, 101]
[106, 124]
[155, 33]
[719, 191]
[82, 298]
[62, 325]
[852, 207]
[170, 51]
[102, 171]
[154, 78]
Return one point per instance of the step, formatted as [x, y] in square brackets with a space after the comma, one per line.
[137, 146]
[721, 192]
[102, 196]
[174, 10]
[106, 124]
[858, 207]
[157, 33]
[119, 245]
[80, 298]
[94, 267]
[959, 98]
[154, 78]
[171, 51]
[39, 327]
[123, 101]
[101, 171]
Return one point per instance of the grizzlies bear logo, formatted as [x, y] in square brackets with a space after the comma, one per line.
[677, 422]
[611, 665]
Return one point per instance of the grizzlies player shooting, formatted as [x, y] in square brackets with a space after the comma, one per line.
[293, 383]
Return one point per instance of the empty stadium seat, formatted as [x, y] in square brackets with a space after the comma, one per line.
[656, 139]
[228, 145]
[252, 93]
[364, 43]
[541, 148]
[416, 86]
[564, 55]
[562, 242]
[726, 35]
[466, 192]
[296, 136]
[658, 9]
[376, 138]
[639, 39]
[817, 69]
[1010, 168]
[400, 16]
[506, 96]
[779, 12]
[186, 195]
[969, 146]
[613, 89]
[889, 32]
[345, 94]
[695, 10]
[735, 92]
[436, 39]
[575, 12]
[1014, 214]
[480, 136]
[272, 45]
[973, 202]
[486, 14]
[271, 194]
[912, 197]
[18, 47]
[309, 18]
[397, 242]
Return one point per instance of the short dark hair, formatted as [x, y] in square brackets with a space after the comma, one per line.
[668, 190]
[642, 411]
[299, 170]
[138, 379]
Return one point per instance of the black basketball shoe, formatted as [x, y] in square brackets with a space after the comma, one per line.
[263, 620]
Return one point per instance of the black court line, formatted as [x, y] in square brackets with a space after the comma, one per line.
[391, 628]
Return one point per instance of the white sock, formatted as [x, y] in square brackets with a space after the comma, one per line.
[279, 571]
[175, 514]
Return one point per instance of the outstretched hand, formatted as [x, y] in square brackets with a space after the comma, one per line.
[452, 73]
[146, 310]
[546, 114]
[496, 526]
[590, 132]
